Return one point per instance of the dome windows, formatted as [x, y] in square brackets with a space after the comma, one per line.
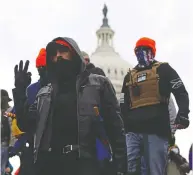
[115, 72]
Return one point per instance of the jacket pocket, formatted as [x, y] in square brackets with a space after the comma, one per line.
[89, 94]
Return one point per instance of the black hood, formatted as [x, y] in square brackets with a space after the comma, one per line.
[78, 55]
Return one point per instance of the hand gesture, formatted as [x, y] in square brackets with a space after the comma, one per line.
[22, 76]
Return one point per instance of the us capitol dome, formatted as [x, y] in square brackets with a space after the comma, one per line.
[107, 58]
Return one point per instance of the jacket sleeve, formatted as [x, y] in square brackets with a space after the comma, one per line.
[172, 114]
[179, 91]
[26, 114]
[114, 125]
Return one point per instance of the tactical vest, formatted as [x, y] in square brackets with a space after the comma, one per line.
[144, 87]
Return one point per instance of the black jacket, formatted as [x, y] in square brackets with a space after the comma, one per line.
[154, 119]
[92, 90]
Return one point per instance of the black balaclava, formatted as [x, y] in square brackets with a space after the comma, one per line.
[43, 76]
[65, 69]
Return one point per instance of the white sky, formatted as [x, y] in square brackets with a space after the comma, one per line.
[27, 26]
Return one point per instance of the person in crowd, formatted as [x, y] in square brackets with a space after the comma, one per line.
[25, 141]
[103, 154]
[144, 104]
[90, 66]
[63, 115]
[5, 129]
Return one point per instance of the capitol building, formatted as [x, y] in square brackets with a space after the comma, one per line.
[107, 58]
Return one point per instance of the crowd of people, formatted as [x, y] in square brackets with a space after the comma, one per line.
[70, 121]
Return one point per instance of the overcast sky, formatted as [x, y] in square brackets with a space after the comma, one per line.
[27, 26]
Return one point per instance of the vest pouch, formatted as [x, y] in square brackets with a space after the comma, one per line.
[135, 90]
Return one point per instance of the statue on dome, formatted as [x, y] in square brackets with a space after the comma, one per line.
[105, 10]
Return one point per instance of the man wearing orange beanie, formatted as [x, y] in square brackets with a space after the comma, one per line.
[26, 158]
[33, 89]
[144, 103]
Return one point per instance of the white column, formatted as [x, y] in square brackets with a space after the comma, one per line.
[107, 38]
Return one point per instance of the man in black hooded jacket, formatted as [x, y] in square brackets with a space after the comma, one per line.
[90, 66]
[63, 117]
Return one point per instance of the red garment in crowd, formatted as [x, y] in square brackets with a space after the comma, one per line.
[17, 172]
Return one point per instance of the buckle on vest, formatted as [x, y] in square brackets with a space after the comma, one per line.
[69, 148]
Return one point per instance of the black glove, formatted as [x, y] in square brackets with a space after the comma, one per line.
[22, 76]
[182, 121]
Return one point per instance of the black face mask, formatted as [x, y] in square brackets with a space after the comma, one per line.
[43, 76]
[65, 69]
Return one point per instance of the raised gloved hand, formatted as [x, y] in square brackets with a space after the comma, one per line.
[22, 76]
[182, 121]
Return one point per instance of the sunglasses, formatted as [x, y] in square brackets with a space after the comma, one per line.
[54, 47]
[57, 47]
[62, 48]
